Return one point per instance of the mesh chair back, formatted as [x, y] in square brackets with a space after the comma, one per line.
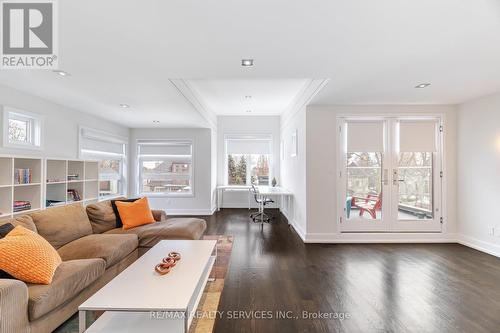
[255, 192]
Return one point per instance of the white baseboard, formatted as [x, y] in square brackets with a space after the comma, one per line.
[189, 211]
[480, 245]
[338, 238]
[298, 229]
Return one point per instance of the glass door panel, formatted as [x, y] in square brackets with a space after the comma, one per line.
[415, 186]
[364, 185]
[408, 199]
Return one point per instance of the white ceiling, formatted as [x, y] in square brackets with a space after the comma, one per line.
[373, 52]
[259, 96]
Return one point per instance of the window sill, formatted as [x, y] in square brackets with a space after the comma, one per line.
[24, 146]
[167, 195]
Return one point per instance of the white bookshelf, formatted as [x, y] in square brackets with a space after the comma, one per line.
[12, 189]
[63, 176]
[49, 181]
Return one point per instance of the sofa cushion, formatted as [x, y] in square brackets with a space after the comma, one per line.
[175, 228]
[119, 222]
[70, 278]
[23, 220]
[61, 225]
[28, 257]
[134, 214]
[111, 248]
[102, 216]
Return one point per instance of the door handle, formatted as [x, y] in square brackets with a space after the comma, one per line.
[395, 177]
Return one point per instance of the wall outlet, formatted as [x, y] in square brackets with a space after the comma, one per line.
[491, 231]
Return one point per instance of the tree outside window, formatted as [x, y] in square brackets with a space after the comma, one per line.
[246, 169]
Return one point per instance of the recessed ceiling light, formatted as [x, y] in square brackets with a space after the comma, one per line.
[248, 111]
[156, 121]
[124, 106]
[423, 85]
[62, 73]
[247, 62]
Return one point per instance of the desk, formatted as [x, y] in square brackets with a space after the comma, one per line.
[265, 191]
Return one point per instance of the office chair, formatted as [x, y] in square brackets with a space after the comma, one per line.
[260, 216]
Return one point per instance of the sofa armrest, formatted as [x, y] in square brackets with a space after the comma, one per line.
[159, 215]
[13, 306]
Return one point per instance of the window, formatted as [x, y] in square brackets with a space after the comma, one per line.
[165, 167]
[21, 129]
[109, 150]
[110, 178]
[248, 160]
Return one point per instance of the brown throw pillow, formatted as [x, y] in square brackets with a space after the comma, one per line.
[119, 222]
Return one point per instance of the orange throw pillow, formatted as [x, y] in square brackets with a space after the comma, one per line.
[27, 256]
[134, 214]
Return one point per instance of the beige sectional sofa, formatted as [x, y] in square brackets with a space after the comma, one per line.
[93, 251]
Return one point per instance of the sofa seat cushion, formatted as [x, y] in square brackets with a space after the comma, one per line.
[111, 248]
[61, 225]
[174, 228]
[70, 278]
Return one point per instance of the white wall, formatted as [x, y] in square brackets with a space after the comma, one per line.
[246, 125]
[201, 202]
[479, 173]
[322, 141]
[60, 125]
[293, 169]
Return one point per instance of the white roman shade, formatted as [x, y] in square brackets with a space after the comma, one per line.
[95, 142]
[365, 136]
[418, 136]
[164, 148]
[248, 145]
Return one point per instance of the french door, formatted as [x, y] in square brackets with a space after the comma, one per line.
[390, 176]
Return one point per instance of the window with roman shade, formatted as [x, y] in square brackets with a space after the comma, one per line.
[165, 167]
[110, 151]
[248, 159]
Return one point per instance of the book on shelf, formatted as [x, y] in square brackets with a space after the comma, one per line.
[21, 205]
[74, 176]
[54, 203]
[22, 176]
[74, 195]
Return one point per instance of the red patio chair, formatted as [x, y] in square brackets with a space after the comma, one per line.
[371, 203]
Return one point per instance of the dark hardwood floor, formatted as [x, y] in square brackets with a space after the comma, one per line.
[382, 288]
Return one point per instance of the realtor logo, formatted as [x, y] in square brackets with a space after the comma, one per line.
[29, 34]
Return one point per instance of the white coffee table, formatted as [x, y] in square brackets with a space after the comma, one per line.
[141, 300]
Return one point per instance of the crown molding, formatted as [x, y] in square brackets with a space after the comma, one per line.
[190, 94]
[311, 88]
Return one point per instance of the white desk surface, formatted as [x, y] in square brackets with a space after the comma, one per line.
[233, 187]
[264, 190]
[140, 288]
